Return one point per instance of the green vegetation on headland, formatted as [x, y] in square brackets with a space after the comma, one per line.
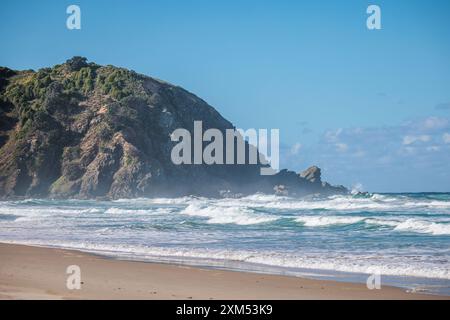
[83, 130]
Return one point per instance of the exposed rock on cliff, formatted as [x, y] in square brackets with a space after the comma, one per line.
[312, 174]
[83, 130]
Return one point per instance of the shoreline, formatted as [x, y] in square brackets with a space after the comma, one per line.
[34, 272]
[407, 283]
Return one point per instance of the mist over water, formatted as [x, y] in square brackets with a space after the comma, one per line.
[406, 237]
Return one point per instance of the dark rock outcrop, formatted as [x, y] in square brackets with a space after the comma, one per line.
[312, 174]
[81, 130]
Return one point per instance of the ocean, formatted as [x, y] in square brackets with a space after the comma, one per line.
[403, 237]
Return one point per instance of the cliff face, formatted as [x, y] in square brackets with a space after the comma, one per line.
[83, 130]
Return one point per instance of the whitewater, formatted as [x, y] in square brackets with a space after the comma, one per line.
[404, 237]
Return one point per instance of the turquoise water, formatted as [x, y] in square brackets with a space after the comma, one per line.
[404, 237]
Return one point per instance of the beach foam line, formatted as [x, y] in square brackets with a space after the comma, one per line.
[212, 257]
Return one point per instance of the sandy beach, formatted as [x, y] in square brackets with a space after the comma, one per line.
[28, 272]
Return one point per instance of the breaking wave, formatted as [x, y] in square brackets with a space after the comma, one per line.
[226, 215]
[396, 234]
[310, 221]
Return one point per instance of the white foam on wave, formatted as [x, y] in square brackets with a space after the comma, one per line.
[164, 201]
[386, 265]
[40, 213]
[382, 222]
[315, 221]
[409, 225]
[120, 211]
[106, 227]
[414, 225]
[424, 227]
[226, 215]
[328, 204]
[376, 202]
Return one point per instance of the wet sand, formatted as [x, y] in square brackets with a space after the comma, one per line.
[28, 272]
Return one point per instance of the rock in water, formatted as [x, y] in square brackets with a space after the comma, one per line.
[82, 130]
[312, 174]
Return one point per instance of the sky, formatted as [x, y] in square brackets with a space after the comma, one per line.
[370, 107]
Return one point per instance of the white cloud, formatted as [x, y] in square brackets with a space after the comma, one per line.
[295, 149]
[407, 140]
[359, 154]
[411, 148]
[341, 147]
[384, 160]
[332, 136]
[433, 123]
[446, 137]
[408, 150]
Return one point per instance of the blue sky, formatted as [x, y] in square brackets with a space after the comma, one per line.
[372, 108]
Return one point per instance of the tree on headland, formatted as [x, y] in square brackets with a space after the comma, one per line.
[76, 63]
